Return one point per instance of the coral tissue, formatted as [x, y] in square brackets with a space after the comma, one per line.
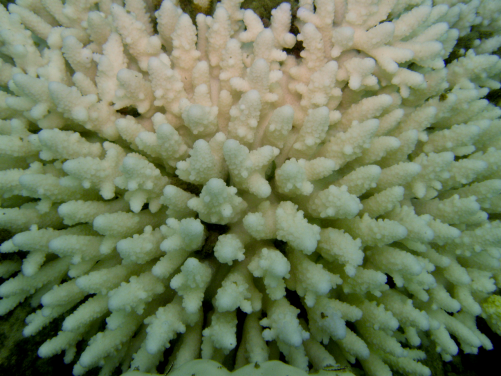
[323, 188]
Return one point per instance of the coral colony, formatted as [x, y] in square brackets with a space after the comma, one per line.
[322, 191]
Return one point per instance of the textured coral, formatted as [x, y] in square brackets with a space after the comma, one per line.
[239, 192]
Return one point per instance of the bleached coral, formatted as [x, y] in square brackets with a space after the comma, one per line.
[239, 189]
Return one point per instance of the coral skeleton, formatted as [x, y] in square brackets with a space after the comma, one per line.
[321, 188]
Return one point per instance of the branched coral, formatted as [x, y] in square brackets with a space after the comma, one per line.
[240, 189]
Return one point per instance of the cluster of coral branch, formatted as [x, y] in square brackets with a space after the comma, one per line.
[240, 190]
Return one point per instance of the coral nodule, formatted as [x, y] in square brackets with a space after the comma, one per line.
[237, 190]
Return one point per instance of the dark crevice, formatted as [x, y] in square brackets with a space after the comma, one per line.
[350, 325]
[296, 50]
[215, 228]
[229, 360]
[129, 111]
[282, 358]
[162, 366]
[241, 316]
[280, 245]
[270, 172]
[494, 96]
[467, 42]
[390, 282]
[185, 186]
[207, 307]
[295, 300]
[213, 231]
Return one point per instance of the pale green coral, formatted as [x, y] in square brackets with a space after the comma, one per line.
[492, 312]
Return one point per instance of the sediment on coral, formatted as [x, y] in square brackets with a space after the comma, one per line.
[321, 188]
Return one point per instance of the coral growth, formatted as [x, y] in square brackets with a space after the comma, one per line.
[322, 188]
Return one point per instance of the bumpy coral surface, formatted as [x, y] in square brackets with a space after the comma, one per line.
[236, 190]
